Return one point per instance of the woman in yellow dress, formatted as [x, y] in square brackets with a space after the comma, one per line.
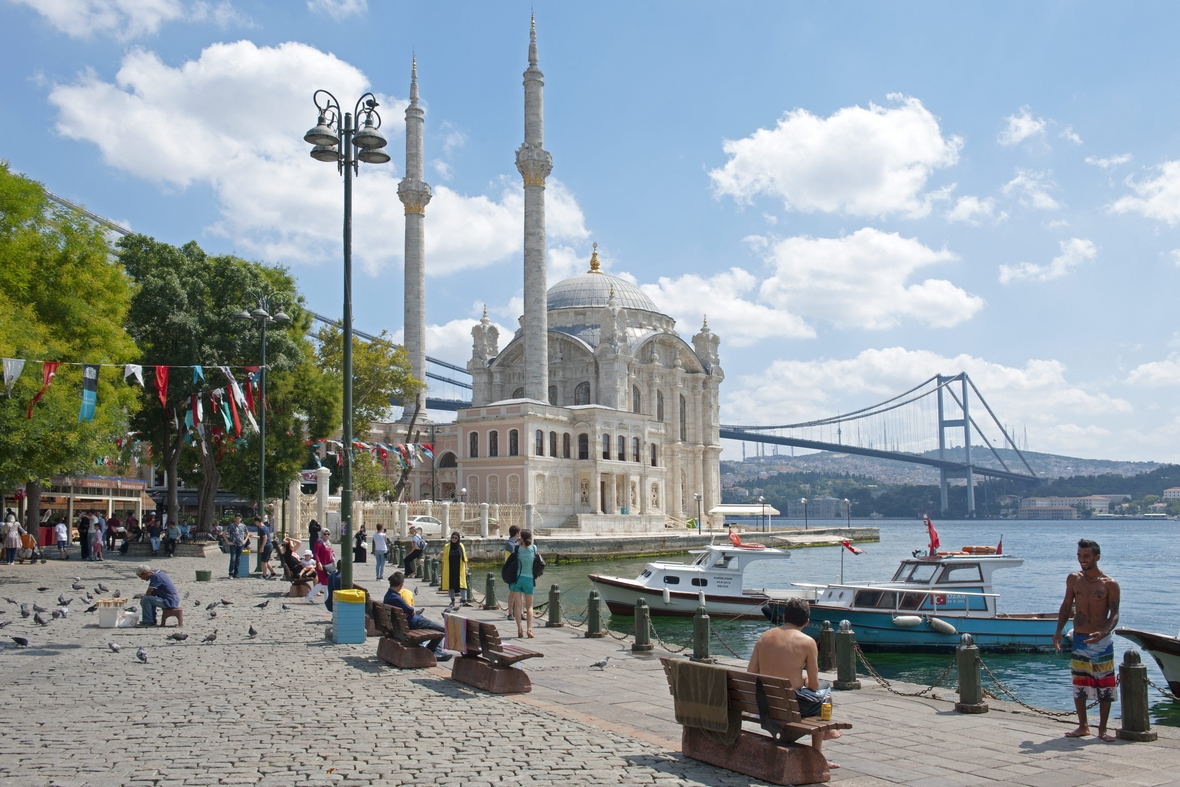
[454, 569]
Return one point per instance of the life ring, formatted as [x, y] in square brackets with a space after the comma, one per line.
[751, 546]
[735, 539]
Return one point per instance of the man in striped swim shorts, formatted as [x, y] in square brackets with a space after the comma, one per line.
[1093, 597]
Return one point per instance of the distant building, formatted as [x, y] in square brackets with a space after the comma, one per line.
[817, 508]
[1172, 494]
[1099, 504]
[1047, 512]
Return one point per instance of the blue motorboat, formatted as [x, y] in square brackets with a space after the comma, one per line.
[931, 601]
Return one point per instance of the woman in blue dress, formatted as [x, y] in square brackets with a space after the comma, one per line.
[523, 585]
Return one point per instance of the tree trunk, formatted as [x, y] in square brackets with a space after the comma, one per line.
[33, 506]
[172, 446]
[207, 491]
[404, 476]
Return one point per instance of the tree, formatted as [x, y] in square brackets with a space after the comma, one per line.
[368, 482]
[63, 297]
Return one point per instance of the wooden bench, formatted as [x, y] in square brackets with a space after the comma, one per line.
[489, 663]
[300, 586]
[769, 702]
[400, 645]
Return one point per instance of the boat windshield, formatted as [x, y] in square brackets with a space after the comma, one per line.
[921, 573]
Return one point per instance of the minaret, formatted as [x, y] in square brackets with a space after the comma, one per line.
[534, 164]
[415, 194]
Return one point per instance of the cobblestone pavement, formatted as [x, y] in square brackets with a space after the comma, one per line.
[290, 708]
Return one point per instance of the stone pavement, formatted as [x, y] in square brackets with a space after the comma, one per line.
[290, 708]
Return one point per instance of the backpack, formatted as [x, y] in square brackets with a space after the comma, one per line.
[511, 570]
[538, 565]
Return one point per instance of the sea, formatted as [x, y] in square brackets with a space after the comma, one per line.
[1142, 555]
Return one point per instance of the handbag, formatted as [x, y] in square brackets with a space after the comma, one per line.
[511, 570]
[538, 565]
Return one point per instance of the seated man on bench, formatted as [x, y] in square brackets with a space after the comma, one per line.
[399, 596]
[785, 652]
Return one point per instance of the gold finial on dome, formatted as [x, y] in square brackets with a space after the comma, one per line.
[612, 290]
[485, 311]
[595, 266]
[704, 325]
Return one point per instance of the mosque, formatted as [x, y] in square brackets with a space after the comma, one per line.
[596, 412]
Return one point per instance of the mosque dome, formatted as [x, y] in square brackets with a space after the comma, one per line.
[592, 290]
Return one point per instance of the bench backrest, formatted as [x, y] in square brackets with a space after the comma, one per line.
[742, 686]
[474, 646]
[401, 625]
[383, 619]
[489, 638]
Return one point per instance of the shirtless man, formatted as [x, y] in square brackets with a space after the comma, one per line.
[1093, 597]
[785, 652]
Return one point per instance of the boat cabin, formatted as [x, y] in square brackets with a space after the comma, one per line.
[716, 569]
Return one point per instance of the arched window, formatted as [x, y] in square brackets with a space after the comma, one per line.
[683, 419]
[660, 406]
[473, 445]
[635, 450]
[553, 395]
[553, 444]
[513, 442]
[518, 393]
[583, 446]
[622, 455]
[493, 443]
[636, 401]
[565, 446]
[582, 394]
[447, 460]
[606, 446]
[539, 447]
[654, 456]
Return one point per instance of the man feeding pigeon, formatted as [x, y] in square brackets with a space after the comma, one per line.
[161, 593]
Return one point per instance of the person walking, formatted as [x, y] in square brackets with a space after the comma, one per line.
[12, 533]
[417, 547]
[454, 569]
[526, 553]
[84, 535]
[509, 547]
[113, 526]
[324, 557]
[61, 534]
[380, 550]
[359, 551]
[265, 547]
[313, 533]
[98, 537]
[235, 538]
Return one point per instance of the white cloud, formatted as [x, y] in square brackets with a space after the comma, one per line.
[1157, 198]
[862, 162]
[442, 169]
[971, 209]
[1074, 252]
[1176, 255]
[1032, 189]
[128, 19]
[735, 316]
[1020, 127]
[453, 137]
[1071, 135]
[338, 9]
[1060, 414]
[862, 281]
[1109, 163]
[1157, 374]
[235, 119]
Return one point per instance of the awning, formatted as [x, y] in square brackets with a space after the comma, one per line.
[745, 509]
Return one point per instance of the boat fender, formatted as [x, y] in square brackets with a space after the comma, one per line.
[907, 621]
[941, 626]
[667, 595]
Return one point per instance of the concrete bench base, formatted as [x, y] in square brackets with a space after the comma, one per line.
[497, 680]
[393, 652]
[759, 757]
[299, 590]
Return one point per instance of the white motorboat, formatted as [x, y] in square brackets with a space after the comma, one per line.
[716, 574]
[1164, 649]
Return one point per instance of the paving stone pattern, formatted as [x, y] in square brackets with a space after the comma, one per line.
[291, 708]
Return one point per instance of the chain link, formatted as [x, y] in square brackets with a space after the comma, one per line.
[668, 646]
[623, 636]
[889, 687]
[723, 643]
[577, 623]
[1008, 692]
[1162, 690]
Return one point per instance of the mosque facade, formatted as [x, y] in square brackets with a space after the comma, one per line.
[596, 412]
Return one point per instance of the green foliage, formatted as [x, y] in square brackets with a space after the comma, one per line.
[63, 297]
[368, 479]
[380, 372]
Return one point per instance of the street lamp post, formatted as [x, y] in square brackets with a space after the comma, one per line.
[263, 317]
[699, 498]
[803, 500]
[762, 501]
[334, 137]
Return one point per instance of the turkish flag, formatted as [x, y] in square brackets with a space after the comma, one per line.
[48, 372]
[854, 550]
[934, 542]
[162, 384]
[1000, 546]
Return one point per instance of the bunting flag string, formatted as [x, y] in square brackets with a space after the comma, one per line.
[135, 371]
[48, 371]
[12, 369]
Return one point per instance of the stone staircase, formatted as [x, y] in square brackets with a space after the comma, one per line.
[567, 524]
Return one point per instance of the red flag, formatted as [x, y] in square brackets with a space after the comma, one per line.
[1000, 547]
[162, 384]
[934, 542]
[48, 371]
[854, 550]
[233, 409]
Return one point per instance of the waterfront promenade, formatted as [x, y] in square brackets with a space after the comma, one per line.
[290, 708]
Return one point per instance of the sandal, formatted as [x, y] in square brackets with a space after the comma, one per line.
[530, 635]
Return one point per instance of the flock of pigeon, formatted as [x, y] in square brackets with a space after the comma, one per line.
[62, 610]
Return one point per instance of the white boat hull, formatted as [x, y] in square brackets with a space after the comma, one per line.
[621, 595]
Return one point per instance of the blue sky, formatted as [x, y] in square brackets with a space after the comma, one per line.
[859, 195]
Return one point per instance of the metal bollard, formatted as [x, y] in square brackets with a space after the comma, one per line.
[1133, 700]
[434, 578]
[845, 658]
[642, 643]
[827, 647]
[700, 637]
[594, 616]
[420, 568]
[970, 677]
[470, 588]
[555, 621]
[489, 593]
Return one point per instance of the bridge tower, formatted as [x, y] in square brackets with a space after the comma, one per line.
[945, 423]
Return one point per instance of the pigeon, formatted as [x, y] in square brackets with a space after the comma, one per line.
[116, 594]
[39, 608]
[5, 623]
[78, 586]
[40, 620]
[210, 637]
[263, 605]
[137, 595]
[285, 608]
[225, 603]
[179, 636]
[64, 611]
[114, 648]
[141, 654]
[21, 642]
[61, 599]
[65, 602]
[90, 597]
[601, 664]
[251, 633]
[211, 606]
[10, 600]
[56, 614]
[102, 588]
[196, 603]
[25, 611]
[131, 609]
[185, 597]
[212, 614]
[42, 589]
[91, 608]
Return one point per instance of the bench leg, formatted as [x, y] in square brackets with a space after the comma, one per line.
[497, 680]
[393, 652]
[759, 757]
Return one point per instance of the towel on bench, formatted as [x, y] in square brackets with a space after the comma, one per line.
[456, 634]
[701, 699]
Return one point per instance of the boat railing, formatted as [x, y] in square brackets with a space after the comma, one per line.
[931, 594]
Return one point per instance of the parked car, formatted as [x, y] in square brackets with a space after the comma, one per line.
[430, 526]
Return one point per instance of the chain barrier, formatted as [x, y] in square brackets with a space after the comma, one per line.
[577, 623]
[668, 646]
[1008, 692]
[723, 643]
[623, 636]
[1162, 690]
[885, 684]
